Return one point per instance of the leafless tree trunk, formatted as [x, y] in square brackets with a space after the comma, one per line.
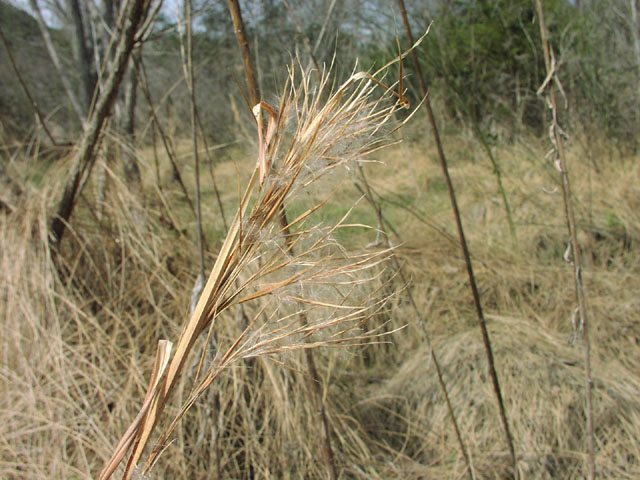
[85, 158]
[130, 163]
[82, 53]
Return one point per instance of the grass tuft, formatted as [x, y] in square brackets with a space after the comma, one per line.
[78, 339]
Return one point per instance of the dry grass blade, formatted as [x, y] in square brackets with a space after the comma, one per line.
[141, 426]
[331, 128]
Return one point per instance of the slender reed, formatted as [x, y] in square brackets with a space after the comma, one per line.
[328, 134]
[463, 245]
[555, 134]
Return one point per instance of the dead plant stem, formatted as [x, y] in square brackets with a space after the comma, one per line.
[301, 33]
[323, 29]
[316, 384]
[191, 85]
[243, 42]
[556, 134]
[463, 243]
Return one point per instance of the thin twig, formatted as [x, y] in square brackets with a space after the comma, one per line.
[301, 33]
[34, 104]
[323, 29]
[191, 86]
[463, 243]
[555, 132]
[138, 64]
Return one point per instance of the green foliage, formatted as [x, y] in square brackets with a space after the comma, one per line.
[486, 59]
[482, 59]
[601, 73]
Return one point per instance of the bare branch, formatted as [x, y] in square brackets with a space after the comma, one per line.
[85, 158]
[32, 101]
[44, 30]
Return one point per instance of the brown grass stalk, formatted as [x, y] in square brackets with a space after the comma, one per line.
[463, 244]
[555, 133]
[368, 193]
[324, 134]
[243, 42]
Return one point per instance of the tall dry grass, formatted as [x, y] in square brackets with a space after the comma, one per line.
[529, 312]
[76, 348]
[118, 265]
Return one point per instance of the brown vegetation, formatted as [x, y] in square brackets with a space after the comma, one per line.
[77, 350]
[337, 246]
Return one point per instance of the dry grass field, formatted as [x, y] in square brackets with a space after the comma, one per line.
[80, 325]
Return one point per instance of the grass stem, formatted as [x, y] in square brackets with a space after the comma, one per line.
[463, 243]
[561, 164]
